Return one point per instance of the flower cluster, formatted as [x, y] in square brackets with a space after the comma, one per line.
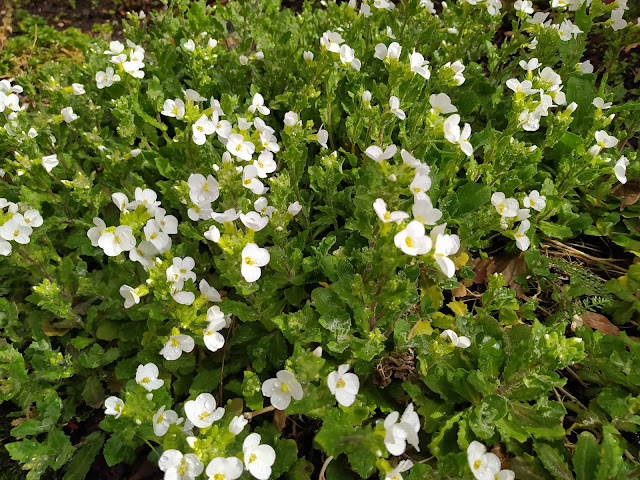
[16, 227]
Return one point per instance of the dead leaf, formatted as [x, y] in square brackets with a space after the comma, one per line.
[280, 418]
[631, 46]
[52, 330]
[600, 322]
[629, 193]
[230, 42]
[459, 292]
[30, 414]
[509, 267]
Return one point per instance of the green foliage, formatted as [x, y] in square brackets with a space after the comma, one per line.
[472, 339]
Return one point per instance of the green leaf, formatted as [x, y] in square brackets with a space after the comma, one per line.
[553, 461]
[80, 464]
[586, 457]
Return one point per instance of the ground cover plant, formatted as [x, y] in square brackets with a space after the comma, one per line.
[362, 240]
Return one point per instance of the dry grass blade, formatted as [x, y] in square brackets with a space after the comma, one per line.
[556, 248]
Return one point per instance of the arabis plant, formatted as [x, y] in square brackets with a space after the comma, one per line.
[246, 240]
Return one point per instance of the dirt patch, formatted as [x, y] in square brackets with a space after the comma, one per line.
[84, 14]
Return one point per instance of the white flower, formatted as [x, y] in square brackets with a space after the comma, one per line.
[221, 127]
[620, 169]
[419, 65]
[258, 459]
[228, 215]
[254, 221]
[262, 206]
[523, 6]
[49, 162]
[145, 253]
[173, 108]
[221, 468]
[376, 153]
[281, 389]
[423, 210]
[463, 141]
[203, 190]
[265, 164]
[212, 234]
[347, 57]
[391, 53]
[189, 45]
[118, 241]
[412, 240]
[258, 104]
[506, 207]
[181, 269]
[535, 200]
[202, 411]
[154, 235]
[239, 147]
[106, 78]
[344, 385]
[68, 114]
[249, 180]
[394, 106]
[483, 465]
[78, 89]
[520, 87]
[130, 296]
[522, 240]
[383, 4]
[162, 420]
[176, 345]
[291, 119]
[586, 67]
[134, 68]
[446, 245]
[115, 47]
[201, 129]
[32, 218]
[253, 257]
[32, 133]
[456, 68]
[294, 208]
[237, 424]
[168, 223]
[113, 406]
[147, 377]
[183, 298]
[331, 41]
[532, 64]
[213, 340]
[409, 159]
[96, 232]
[402, 466]
[603, 140]
[398, 433]
[598, 102]
[366, 98]
[441, 104]
[180, 467]
[385, 215]
[208, 291]
[460, 342]
[420, 183]
[452, 128]
[308, 56]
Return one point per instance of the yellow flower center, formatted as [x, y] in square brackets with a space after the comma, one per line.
[160, 419]
[340, 383]
[16, 233]
[501, 207]
[387, 215]
[204, 415]
[145, 380]
[116, 239]
[477, 464]
[416, 189]
[118, 408]
[253, 458]
[249, 261]
[219, 476]
[238, 147]
[284, 388]
[247, 181]
[199, 127]
[205, 187]
[175, 342]
[175, 111]
[409, 242]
